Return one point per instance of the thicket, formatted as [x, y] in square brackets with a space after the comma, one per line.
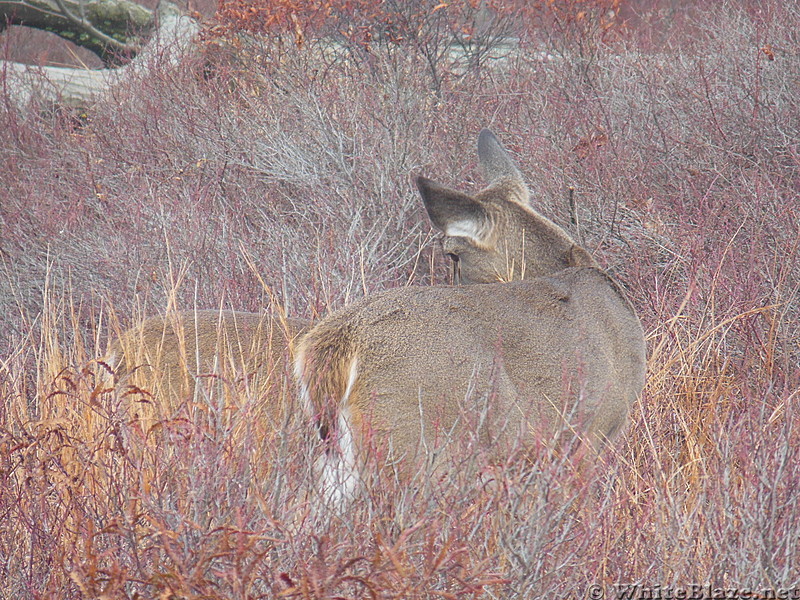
[666, 141]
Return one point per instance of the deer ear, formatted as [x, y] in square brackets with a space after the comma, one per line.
[452, 212]
[495, 160]
[499, 168]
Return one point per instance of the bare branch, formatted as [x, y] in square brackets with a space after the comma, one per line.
[85, 26]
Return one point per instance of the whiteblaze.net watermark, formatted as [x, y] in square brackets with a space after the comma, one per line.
[635, 591]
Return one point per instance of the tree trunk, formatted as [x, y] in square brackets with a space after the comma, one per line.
[77, 87]
[109, 28]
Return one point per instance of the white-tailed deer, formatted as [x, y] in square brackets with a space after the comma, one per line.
[218, 351]
[548, 339]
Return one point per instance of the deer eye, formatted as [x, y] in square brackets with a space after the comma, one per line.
[452, 256]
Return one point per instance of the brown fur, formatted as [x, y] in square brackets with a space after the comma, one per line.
[188, 355]
[547, 339]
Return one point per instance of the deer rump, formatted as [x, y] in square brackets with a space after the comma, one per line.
[407, 363]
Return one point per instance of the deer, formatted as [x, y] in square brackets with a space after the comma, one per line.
[533, 326]
[183, 355]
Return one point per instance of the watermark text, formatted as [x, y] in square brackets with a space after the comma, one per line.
[635, 591]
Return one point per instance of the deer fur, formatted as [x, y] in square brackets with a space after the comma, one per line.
[177, 356]
[544, 336]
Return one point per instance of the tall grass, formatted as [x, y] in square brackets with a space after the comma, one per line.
[293, 168]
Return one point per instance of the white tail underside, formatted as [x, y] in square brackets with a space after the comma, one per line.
[338, 473]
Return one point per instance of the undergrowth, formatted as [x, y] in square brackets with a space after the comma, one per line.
[286, 176]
